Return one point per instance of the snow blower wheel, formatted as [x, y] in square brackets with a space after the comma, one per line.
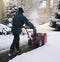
[33, 43]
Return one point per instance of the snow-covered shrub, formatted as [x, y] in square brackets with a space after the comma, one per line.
[55, 19]
[58, 24]
[4, 29]
[10, 12]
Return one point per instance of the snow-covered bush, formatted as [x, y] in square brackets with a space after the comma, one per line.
[4, 29]
[10, 12]
[55, 19]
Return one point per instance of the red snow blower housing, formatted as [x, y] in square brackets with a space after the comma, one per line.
[37, 39]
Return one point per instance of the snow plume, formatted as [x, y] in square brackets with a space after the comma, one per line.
[34, 17]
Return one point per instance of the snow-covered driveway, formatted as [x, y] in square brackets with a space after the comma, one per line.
[47, 53]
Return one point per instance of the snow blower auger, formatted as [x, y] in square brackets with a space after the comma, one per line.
[36, 40]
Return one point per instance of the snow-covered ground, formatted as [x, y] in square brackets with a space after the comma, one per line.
[47, 53]
[50, 52]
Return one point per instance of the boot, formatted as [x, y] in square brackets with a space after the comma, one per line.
[17, 51]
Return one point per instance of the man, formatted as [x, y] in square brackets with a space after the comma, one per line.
[18, 21]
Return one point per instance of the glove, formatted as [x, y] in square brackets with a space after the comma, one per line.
[26, 27]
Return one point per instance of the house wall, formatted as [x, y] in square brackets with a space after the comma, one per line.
[45, 13]
[1, 10]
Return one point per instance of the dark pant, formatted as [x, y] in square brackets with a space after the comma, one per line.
[15, 43]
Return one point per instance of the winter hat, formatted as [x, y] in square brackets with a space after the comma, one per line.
[21, 10]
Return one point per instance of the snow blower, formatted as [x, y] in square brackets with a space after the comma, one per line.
[36, 40]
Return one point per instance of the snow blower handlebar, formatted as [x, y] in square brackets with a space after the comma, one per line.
[27, 33]
[34, 32]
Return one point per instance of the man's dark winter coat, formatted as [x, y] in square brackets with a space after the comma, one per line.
[18, 21]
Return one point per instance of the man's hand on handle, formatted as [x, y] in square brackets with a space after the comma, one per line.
[26, 27]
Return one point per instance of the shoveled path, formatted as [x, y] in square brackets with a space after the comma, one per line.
[4, 56]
